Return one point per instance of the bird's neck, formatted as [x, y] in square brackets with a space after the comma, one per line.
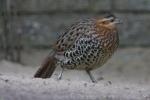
[102, 30]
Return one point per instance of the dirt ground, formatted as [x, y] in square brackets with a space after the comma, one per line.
[131, 65]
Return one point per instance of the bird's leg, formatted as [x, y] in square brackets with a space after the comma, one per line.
[60, 75]
[91, 76]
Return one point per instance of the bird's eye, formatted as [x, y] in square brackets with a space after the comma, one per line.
[111, 20]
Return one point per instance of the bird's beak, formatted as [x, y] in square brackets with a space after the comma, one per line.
[117, 21]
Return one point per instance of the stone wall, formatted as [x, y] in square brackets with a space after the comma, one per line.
[38, 22]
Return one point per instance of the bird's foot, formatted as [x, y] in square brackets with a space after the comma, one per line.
[93, 80]
[60, 75]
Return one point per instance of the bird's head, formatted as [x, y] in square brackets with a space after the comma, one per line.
[109, 22]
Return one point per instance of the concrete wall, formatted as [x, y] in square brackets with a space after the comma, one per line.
[40, 21]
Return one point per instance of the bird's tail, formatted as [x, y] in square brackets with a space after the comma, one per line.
[47, 68]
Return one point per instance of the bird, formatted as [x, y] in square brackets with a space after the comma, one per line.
[85, 45]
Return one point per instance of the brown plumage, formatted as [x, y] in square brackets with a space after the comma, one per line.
[86, 45]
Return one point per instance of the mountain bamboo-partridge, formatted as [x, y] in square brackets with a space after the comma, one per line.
[86, 45]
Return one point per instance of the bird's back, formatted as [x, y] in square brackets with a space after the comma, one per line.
[66, 39]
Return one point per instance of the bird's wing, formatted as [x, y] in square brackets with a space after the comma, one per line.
[73, 33]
